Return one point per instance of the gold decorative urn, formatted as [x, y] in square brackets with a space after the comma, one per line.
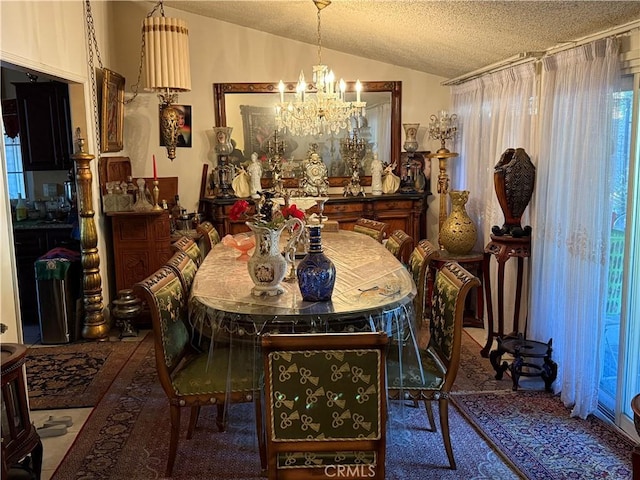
[458, 233]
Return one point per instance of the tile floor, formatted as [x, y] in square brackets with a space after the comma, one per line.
[55, 448]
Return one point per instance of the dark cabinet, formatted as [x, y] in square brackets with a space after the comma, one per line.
[45, 125]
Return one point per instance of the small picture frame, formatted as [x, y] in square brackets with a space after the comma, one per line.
[112, 118]
[184, 131]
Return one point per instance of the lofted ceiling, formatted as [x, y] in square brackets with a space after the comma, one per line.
[447, 38]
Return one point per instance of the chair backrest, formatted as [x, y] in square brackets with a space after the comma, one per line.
[450, 288]
[418, 265]
[400, 244]
[165, 296]
[190, 247]
[185, 269]
[325, 403]
[210, 236]
[373, 228]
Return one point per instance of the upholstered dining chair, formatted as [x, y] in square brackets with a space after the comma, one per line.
[190, 247]
[400, 244]
[185, 268]
[429, 373]
[210, 237]
[189, 378]
[373, 228]
[418, 264]
[325, 405]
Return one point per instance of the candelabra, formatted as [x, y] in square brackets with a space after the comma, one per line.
[275, 149]
[443, 127]
[354, 148]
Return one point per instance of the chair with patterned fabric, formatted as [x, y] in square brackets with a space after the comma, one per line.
[373, 228]
[189, 378]
[428, 374]
[418, 265]
[400, 244]
[210, 237]
[190, 247]
[185, 269]
[325, 405]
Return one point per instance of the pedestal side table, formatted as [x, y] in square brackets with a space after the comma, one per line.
[503, 248]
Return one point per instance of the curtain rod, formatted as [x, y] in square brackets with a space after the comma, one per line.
[525, 57]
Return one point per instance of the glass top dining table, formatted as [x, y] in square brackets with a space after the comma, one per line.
[373, 291]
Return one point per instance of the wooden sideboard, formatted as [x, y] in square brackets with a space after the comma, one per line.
[141, 245]
[400, 211]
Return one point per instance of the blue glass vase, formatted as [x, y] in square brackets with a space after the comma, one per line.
[316, 272]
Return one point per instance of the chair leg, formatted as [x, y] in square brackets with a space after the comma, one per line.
[220, 417]
[193, 420]
[443, 406]
[429, 409]
[174, 411]
[262, 447]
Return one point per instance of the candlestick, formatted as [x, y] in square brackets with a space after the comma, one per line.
[156, 192]
[155, 170]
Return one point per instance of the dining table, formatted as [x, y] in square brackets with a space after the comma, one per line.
[373, 292]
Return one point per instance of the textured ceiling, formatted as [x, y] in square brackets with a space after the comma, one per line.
[447, 38]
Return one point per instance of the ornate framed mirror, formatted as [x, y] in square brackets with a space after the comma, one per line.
[250, 109]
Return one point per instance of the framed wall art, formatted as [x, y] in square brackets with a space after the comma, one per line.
[184, 125]
[112, 118]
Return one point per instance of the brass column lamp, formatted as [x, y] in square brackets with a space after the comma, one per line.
[95, 326]
[442, 127]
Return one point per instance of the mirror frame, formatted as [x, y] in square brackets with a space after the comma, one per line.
[393, 87]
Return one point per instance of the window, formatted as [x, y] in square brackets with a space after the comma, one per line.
[15, 174]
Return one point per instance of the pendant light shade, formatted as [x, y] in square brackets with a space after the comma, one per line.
[166, 43]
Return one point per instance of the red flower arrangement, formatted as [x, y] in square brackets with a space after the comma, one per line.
[267, 215]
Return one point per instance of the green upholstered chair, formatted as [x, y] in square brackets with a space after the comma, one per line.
[429, 373]
[325, 405]
[190, 247]
[418, 265]
[210, 237]
[185, 269]
[189, 378]
[373, 228]
[400, 244]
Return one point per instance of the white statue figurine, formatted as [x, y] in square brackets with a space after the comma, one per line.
[241, 183]
[255, 171]
[391, 181]
[376, 175]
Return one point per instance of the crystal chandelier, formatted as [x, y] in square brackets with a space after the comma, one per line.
[324, 110]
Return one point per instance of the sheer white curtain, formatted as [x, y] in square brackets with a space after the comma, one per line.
[570, 214]
[495, 112]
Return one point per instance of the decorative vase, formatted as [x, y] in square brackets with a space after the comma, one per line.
[126, 308]
[513, 178]
[267, 266]
[223, 140]
[411, 136]
[458, 234]
[316, 272]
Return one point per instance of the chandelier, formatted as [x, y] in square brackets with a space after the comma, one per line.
[322, 109]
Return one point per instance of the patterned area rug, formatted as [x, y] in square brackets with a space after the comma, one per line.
[534, 431]
[116, 443]
[75, 375]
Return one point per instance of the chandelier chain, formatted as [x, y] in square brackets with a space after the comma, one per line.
[319, 41]
[91, 42]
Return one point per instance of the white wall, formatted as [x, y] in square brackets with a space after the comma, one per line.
[223, 52]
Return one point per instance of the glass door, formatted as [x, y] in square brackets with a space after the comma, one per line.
[620, 347]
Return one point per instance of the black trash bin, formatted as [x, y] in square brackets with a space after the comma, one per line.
[58, 284]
